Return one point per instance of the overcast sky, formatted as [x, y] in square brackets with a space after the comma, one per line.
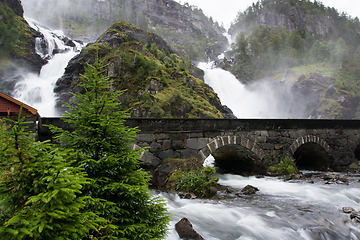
[225, 11]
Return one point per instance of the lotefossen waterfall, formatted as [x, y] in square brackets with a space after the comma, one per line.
[37, 90]
[261, 99]
[295, 209]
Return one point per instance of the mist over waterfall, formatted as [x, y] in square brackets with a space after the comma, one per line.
[261, 99]
[37, 90]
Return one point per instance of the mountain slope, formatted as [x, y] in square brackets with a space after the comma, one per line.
[157, 81]
[183, 26]
[306, 44]
[17, 45]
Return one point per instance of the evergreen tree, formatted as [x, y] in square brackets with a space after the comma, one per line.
[103, 146]
[38, 189]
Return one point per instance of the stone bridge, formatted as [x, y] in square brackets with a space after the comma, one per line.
[247, 146]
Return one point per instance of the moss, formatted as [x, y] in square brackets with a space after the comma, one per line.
[15, 35]
[135, 63]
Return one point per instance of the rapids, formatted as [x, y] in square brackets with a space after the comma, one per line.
[279, 210]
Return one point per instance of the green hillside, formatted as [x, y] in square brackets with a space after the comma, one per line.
[291, 38]
[158, 82]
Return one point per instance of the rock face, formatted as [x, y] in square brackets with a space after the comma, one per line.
[183, 26]
[186, 231]
[158, 82]
[288, 16]
[16, 6]
[23, 56]
[316, 100]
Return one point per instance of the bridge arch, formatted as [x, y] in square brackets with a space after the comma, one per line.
[234, 154]
[311, 153]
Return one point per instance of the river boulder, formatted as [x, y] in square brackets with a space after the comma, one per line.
[186, 231]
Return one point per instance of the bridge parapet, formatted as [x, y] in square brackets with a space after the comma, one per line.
[185, 138]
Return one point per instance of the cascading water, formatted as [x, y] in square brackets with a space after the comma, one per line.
[261, 99]
[37, 90]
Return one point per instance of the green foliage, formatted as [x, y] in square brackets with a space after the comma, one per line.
[194, 178]
[39, 189]
[14, 33]
[102, 144]
[268, 49]
[287, 166]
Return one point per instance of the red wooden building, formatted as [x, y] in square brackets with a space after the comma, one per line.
[11, 107]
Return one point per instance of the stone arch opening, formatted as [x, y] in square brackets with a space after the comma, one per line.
[312, 156]
[236, 159]
[357, 152]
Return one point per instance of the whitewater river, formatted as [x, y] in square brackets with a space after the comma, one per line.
[279, 210]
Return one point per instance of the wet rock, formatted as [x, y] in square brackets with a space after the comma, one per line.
[248, 190]
[161, 174]
[355, 215]
[189, 196]
[348, 209]
[332, 178]
[343, 179]
[186, 231]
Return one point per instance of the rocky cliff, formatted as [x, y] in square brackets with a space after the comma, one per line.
[17, 45]
[310, 17]
[157, 81]
[182, 26]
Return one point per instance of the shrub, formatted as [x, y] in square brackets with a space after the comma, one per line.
[285, 167]
[194, 180]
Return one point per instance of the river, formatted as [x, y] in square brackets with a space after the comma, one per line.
[279, 210]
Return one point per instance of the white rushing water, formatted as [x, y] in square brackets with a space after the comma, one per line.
[279, 210]
[37, 90]
[262, 99]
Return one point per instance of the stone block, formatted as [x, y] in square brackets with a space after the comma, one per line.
[149, 160]
[166, 154]
[273, 139]
[177, 154]
[177, 144]
[225, 140]
[219, 142]
[145, 137]
[294, 134]
[266, 146]
[155, 147]
[179, 136]
[166, 145]
[161, 136]
[196, 143]
[212, 146]
[206, 150]
[278, 147]
[188, 153]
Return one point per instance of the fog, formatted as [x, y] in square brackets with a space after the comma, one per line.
[225, 11]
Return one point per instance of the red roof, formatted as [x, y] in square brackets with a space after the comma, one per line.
[17, 102]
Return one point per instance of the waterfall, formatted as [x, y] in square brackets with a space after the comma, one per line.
[37, 90]
[261, 99]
